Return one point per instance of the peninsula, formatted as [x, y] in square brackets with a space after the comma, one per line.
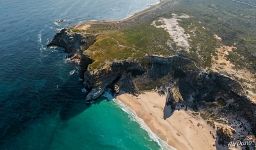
[191, 81]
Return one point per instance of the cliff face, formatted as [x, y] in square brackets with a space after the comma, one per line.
[211, 94]
[72, 42]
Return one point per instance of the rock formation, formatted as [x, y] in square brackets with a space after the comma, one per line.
[210, 93]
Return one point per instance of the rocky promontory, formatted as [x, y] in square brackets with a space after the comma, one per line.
[132, 56]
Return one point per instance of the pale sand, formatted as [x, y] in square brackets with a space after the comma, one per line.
[84, 27]
[220, 63]
[176, 32]
[181, 130]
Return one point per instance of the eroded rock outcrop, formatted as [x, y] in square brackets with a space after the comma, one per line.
[177, 76]
[72, 42]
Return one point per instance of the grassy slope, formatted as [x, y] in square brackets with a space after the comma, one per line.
[234, 23]
[132, 42]
[202, 41]
[140, 39]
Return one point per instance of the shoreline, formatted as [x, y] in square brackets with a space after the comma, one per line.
[180, 131]
[140, 11]
[128, 18]
[132, 115]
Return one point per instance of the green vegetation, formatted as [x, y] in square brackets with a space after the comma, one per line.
[134, 42]
[75, 30]
[202, 41]
[158, 23]
[120, 42]
[232, 21]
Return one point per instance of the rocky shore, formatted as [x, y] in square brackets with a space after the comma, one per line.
[186, 85]
[217, 98]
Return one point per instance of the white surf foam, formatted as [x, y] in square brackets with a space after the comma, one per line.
[41, 46]
[108, 95]
[132, 115]
[72, 72]
[56, 23]
[40, 43]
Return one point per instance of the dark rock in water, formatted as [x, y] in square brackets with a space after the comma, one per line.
[60, 21]
[72, 42]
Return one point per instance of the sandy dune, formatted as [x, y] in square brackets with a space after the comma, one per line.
[220, 63]
[176, 32]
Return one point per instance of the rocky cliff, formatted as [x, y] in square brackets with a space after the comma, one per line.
[146, 52]
[210, 94]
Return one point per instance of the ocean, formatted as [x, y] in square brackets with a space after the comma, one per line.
[41, 103]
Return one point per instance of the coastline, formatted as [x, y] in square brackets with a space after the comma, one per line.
[142, 10]
[160, 130]
[86, 24]
[132, 115]
[181, 130]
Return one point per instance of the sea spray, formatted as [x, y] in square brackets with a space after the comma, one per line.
[108, 95]
[132, 115]
[40, 44]
[72, 72]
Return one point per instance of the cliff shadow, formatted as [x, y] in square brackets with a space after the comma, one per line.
[27, 105]
[74, 100]
[168, 111]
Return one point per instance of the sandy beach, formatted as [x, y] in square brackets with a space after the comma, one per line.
[181, 130]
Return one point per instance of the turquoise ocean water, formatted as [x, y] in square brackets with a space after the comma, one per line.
[41, 103]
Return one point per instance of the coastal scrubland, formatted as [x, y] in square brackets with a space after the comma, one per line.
[133, 43]
[199, 54]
